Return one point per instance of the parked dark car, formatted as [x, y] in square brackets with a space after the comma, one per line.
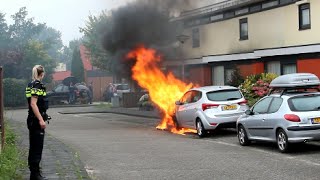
[60, 94]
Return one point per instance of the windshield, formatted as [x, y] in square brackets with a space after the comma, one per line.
[310, 102]
[224, 95]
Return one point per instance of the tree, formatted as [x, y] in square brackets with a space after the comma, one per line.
[25, 43]
[77, 69]
[33, 53]
[51, 40]
[93, 36]
[23, 29]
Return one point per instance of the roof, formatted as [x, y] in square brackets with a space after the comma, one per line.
[295, 80]
[86, 60]
[59, 76]
[214, 88]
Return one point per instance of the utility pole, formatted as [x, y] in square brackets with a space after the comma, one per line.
[1, 109]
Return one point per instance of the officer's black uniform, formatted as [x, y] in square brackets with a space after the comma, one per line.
[36, 134]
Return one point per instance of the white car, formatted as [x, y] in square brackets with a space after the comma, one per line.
[210, 107]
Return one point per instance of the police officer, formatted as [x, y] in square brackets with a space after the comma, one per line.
[36, 93]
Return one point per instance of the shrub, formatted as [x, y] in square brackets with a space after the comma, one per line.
[256, 86]
[14, 92]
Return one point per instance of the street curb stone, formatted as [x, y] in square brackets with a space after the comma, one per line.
[120, 110]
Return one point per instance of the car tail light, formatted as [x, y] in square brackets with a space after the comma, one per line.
[244, 102]
[209, 106]
[213, 124]
[292, 117]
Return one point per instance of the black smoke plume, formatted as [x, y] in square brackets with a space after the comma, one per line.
[147, 22]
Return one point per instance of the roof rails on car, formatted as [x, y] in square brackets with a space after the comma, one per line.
[297, 81]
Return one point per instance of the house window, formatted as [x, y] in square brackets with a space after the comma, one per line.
[243, 28]
[255, 8]
[195, 38]
[304, 16]
[242, 11]
[285, 1]
[218, 75]
[289, 68]
[216, 17]
[229, 14]
[228, 75]
[274, 67]
[269, 4]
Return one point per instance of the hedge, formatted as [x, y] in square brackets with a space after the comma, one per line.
[14, 92]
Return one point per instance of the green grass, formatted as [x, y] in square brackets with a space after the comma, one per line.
[11, 160]
[104, 105]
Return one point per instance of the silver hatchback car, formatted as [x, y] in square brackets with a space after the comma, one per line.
[210, 107]
[290, 114]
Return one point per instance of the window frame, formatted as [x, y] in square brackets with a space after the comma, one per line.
[243, 21]
[303, 7]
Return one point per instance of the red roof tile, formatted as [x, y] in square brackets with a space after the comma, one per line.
[59, 76]
[85, 58]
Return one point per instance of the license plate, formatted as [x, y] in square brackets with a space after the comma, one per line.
[315, 120]
[229, 107]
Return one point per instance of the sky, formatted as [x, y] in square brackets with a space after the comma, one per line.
[64, 15]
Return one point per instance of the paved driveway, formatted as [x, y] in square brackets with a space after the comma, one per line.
[116, 146]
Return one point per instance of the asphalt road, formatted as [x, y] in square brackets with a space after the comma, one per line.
[116, 147]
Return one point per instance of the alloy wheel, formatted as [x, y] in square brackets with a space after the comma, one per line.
[242, 136]
[282, 141]
[199, 128]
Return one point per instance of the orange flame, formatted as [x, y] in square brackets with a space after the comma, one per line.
[164, 89]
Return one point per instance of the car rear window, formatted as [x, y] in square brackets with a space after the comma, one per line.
[309, 102]
[224, 95]
[122, 87]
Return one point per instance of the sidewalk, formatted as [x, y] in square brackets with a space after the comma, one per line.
[58, 160]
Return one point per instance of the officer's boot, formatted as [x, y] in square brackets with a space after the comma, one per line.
[36, 174]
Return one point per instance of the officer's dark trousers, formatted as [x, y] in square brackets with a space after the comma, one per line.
[36, 138]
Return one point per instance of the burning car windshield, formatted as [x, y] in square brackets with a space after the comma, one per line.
[224, 95]
[305, 103]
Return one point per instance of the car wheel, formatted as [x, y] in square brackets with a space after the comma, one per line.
[242, 136]
[282, 141]
[200, 129]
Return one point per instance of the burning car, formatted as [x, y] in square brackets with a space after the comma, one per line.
[210, 107]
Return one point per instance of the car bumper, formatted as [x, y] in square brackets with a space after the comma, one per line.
[220, 122]
[303, 133]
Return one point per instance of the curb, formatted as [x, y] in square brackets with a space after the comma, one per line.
[145, 114]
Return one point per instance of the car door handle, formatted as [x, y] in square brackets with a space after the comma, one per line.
[263, 119]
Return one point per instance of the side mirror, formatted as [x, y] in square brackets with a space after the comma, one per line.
[249, 112]
[178, 103]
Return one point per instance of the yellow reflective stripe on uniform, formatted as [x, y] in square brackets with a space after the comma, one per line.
[28, 92]
[38, 92]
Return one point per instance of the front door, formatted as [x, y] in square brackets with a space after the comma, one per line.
[255, 123]
[182, 110]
